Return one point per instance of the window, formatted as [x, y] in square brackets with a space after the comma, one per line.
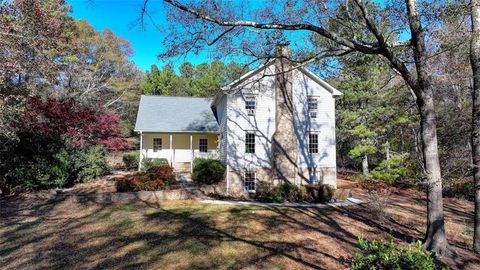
[249, 181]
[313, 143]
[312, 106]
[157, 144]
[250, 104]
[203, 145]
[249, 143]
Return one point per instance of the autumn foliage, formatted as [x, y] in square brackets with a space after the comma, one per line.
[155, 178]
[75, 124]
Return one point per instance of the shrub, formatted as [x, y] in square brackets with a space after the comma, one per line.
[380, 255]
[148, 163]
[42, 172]
[320, 193]
[292, 192]
[89, 164]
[155, 178]
[207, 171]
[130, 160]
[267, 192]
[378, 196]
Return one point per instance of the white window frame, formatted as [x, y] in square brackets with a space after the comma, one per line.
[250, 108]
[200, 145]
[312, 104]
[245, 186]
[250, 143]
[156, 147]
[311, 150]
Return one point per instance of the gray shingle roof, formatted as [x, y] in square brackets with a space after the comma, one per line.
[175, 114]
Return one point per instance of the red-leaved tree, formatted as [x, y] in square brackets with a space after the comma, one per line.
[75, 124]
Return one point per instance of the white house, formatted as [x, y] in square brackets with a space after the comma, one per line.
[276, 123]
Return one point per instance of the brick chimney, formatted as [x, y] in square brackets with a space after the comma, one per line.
[284, 141]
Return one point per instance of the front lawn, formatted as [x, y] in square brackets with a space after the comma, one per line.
[66, 233]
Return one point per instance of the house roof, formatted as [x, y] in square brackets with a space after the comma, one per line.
[175, 114]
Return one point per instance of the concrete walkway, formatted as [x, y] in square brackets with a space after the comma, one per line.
[348, 202]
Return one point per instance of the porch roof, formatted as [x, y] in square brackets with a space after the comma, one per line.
[175, 114]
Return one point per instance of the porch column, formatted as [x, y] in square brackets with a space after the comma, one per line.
[191, 150]
[141, 152]
[172, 155]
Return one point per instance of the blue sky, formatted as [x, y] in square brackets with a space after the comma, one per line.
[121, 17]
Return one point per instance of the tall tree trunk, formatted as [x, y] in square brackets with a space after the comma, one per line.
[365, 165]
[475, 62]
[435, 238]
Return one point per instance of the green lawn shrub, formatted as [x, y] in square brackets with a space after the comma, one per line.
[88, 164]
[379, 255]
[130, 160]
[59, 168]
[43, 172]
[207, 171]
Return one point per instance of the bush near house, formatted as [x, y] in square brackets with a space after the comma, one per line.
[130, 160]
[88, 164]
[321, 193]
[267, 192]
[148, 163]
[155, 178]
[207, 171]
[381, 255]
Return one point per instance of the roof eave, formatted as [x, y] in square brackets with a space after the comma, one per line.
[331, 89]
[182, 131]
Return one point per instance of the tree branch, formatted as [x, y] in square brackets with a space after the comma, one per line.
[352, 44]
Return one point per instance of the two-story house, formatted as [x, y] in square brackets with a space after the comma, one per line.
[275, 123]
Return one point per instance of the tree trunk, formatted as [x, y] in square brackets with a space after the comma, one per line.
[365, 165]
[435, 238]
[475, 136]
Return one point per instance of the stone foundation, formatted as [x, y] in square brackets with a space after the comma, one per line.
[235, 178]
[326, 175]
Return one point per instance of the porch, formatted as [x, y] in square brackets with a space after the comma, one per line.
[180, 149]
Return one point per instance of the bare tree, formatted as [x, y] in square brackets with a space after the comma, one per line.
[360, 28]
[475, 62]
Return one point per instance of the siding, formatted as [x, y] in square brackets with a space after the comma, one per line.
[324, 124]
[232, 145]
[262, 123]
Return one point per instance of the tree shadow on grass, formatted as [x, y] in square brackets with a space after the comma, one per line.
[187, 236]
